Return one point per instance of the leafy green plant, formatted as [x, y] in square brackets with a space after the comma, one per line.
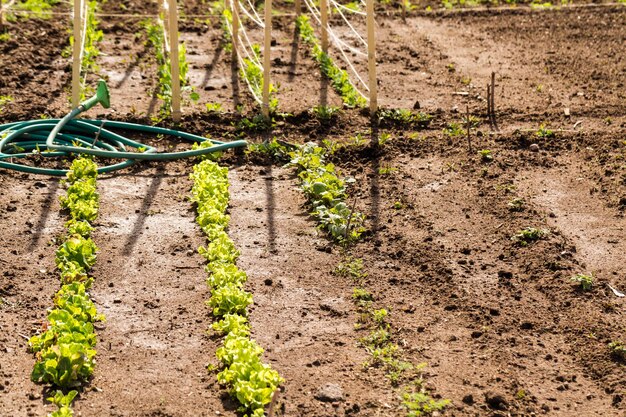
[63, 402]
[421, 404]
[618, 350]
[65, 348]
[325, 113]
[214, 107]
[585, 281]
[326, 193]
[404, 116]
[529, 235]
[544, 132]
[486, 155]
[4, 100]
[351, 268]
[250, 381]
[339, 78]
[516, 204]
[155, 33]
[453, 130]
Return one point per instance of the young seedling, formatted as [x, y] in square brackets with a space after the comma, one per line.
[544, 132]
[516, 204]
[485, 155]
[618, 350]
[585, 281]
[529, 235]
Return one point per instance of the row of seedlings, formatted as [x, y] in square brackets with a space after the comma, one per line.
[157, 38]
[250, 381]
[339, 78]
[326, 193]
[65, 354]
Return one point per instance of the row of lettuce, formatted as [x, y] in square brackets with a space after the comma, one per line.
[64, 350]
[252, 382]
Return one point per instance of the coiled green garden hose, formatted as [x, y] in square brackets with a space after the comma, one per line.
[60, 137]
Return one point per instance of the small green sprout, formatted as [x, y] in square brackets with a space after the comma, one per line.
[529, 235]
[585, 281]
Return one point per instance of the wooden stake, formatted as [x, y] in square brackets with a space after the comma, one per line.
[76, 52]
[493, 101]
[267, 49]
[2, 14]
[175, 65]
[298, 6]
[469, 127]
[489, 102]
[324, 18]
[371, 58]
[234, 4]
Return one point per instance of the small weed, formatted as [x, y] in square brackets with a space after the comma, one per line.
[520, 394]
[351, 268]
[5, 37]
[529, 235]
[398, 205]
[325, 113]
[383, 139]
[466, 80]
[450, 67]
[585, 281]
[454, 129]
[386, 170]
[361, 295]
[517, 204]
[420, 404]
[5, 100]
[544, 132]
[331, 146]
[380, 317]
[404, 116]
[376, 339]
[539, 88]
[618, 350]
[214, 107]
[485, 155]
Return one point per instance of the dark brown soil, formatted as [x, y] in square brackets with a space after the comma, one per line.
[491, 319]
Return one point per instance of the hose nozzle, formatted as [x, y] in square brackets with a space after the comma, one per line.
[102, 97]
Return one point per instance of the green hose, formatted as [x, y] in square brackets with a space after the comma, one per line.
[60, 137]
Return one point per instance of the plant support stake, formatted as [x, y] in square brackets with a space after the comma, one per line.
[324, 18]
[77, 52]
[234, 5]
[265, 107]
[371, 58]
[175, 69]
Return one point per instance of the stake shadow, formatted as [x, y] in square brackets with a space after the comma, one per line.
[375, 182]
[214, 61]
[130, 243]
[234, 79]
[131, 67]
[44, 216]
[270, 202]
[293, 60]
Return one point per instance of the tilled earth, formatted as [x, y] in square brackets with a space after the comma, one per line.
[502, 328]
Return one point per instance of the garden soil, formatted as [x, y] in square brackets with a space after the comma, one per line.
[501, 328]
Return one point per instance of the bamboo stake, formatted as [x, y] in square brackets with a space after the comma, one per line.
[175, 66]
[324, 18]
[265, 107]
[298, 6]
[371, 58]
[76, 52]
